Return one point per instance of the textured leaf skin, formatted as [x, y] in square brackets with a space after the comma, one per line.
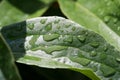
[8, 70]
[55, 42]
[91, 14]
[17, 10]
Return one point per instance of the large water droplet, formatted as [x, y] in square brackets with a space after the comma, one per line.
[93, 54]
[48, 27]
[68, 39]
[50, 37]
[42, 21]
[73, 28]
[31, 26]
[81, 61]
[118, 60]
[107, 71]
[94, 44]
[81, 38]
[51, 49]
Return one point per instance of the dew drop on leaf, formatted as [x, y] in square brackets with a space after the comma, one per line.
[42, 21]
[81, 61]
[50, 37]
[103, 56]
[118, 60]
[68, 39]
[107, 71]
[105, 48]
[94, 44]
[57, 21]
[30, 26]
[48, 27]
[93, 54]
[73, 28]
[81, 38]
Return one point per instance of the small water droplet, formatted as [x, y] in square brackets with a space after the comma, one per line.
[57, 21]
[103, 56]
[73, 28]
[81, 38]
[107, 71]
[94, 44]
[50, 37]
[42, 21]
[105, 48]
[67, 26]
[93, 54]
[58, 27]
[68, 39]
[118, 28]
[48, 27]
[31, 26]
[118, 60]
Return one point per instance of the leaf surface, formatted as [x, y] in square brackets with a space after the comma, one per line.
[55, 42]
[8, 70]
[100, 16]
[13, 11]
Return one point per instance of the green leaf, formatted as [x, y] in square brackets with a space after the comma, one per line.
[8, 70]
[16, 10]
[61, 43]
[100, 16]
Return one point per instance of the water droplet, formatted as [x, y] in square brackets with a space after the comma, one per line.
[31, 26]
[94, 44]
[73, 28]
[81, 38]
[68, 39]
[67, 26]
[106, 18]
[103, 56]
[81, 61]
[118, 60]
[33, 40]
[105, 48]
[58, 27]
[107, 71]
[118, 28]
[48, 27]
[51, 49]
[50, 37]
[42, 21]
[93, 54]
[57, 21]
